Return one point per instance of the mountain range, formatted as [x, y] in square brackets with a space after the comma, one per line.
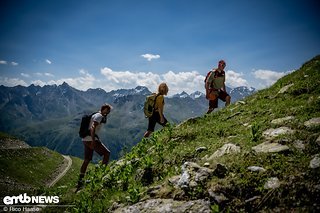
[50, 115]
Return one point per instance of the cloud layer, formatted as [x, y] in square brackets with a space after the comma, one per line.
[268, 77]
[108, 79]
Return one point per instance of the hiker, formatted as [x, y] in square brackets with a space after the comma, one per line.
[157, 116]
[216, 88]
[92, 142]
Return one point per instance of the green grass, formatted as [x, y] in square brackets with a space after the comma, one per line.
[161, 156]
[30, 167]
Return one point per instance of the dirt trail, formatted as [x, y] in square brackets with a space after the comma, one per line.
[62, 170]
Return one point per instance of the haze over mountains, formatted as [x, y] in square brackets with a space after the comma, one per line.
[50, 115]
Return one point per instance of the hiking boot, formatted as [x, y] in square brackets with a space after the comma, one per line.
[209, 111]
[79, 185]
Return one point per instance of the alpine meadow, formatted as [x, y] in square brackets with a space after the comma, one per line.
[258, 154]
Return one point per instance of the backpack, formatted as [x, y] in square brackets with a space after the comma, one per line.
[84, 126]
[205, 80]
[149, 104]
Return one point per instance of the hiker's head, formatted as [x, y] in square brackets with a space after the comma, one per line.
[105, 109]
[163, 89]
[221, 64]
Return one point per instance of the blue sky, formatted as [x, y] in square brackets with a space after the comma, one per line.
[114, 44]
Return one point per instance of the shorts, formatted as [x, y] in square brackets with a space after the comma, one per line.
[100, 148]
[155, 118]
[222, 96]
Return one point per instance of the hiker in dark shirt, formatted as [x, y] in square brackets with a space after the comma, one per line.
[216, 88]
[92, 142]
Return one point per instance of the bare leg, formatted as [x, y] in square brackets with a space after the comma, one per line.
[228, 100]
[84, 166]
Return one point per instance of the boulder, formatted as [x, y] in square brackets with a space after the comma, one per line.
[285, 89]
[256, 169]
[228, 148]
[318, 140]
[272, 183]
[298, 144]
[281, 120]
[312, 122]
[315, 162]
[271, 133]
[192, 174]
[167, 206]
[270, 147]
[218, 197]
[201, 149]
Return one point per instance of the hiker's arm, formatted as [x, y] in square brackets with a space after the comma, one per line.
[93, 132]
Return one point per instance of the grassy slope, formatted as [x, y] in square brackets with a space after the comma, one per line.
[26, 170]
[29, 167]
[240, 124]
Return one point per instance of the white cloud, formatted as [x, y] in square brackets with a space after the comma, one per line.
[10, 82]
[48, 61]
[177, 82]
[14, 63]
[25, 75]
[46, 74]
[39, 83]
[83, 82]
[184, 81]
[126, 79]
[149, 57]
[267, 77]
[234, 79]
[3, 62]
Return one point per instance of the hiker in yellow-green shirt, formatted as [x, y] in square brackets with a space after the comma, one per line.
[216, 88]
[157, 116]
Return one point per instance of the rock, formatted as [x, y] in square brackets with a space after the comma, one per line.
[192, 174]
[298, 144]
[201, 149]
[252, 199]
[285, 88]
[312, 122]
[184, 180]
[270, 147]
[281, 120]
[225, 149]
[174, 180]
[206, 164]
[240, 102]
[153, 191]
[272, 183]
[167, 206]
[315, 162]
[220, 171]
[271, 133]
[318, 140]
[256, 169]
[217, 196]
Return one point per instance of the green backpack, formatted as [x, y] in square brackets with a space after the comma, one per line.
[149, 104]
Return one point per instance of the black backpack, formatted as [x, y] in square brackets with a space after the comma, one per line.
[84, 126]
